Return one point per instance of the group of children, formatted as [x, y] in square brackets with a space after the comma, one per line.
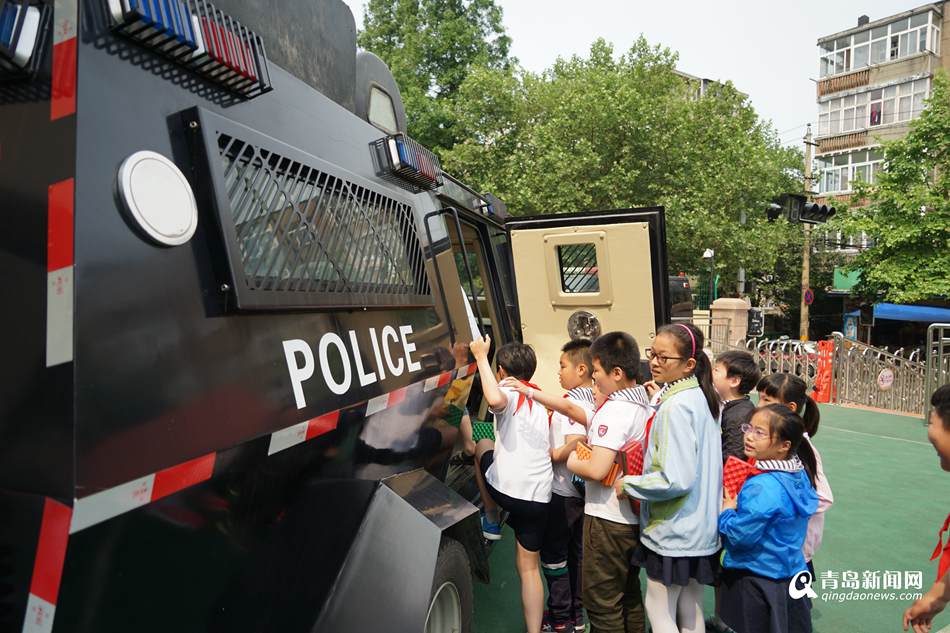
[553, 468]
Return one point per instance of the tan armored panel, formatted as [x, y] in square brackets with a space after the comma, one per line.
[605, 270]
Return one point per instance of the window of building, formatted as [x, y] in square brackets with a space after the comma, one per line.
[837, 174]
[872, 108]
[901, 38]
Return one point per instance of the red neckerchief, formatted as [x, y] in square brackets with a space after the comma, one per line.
[945, 558]
[522, 397]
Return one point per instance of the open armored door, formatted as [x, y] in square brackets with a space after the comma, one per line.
[582, 274]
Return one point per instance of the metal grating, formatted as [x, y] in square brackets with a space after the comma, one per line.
[305, 237]
[578, 266]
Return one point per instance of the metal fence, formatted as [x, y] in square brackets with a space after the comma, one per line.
[874, 377]
[861, 374]
[937, 370]
[785, 356]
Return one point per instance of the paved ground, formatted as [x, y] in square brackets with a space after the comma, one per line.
[890, 500]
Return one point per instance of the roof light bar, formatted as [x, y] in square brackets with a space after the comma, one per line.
[403, 161]
[22, 28]
[200, 37]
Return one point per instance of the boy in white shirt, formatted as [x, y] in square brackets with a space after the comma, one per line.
[517, 466]
[561, 552]
[611, 586]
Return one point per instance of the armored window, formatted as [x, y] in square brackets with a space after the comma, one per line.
[301, 233]
[381, 111]
[578, 266]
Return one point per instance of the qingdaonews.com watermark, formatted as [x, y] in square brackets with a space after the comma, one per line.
[853, 586]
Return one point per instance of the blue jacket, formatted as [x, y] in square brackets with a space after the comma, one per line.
[765, 535]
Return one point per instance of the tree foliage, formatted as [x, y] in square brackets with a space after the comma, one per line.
[603, 132]
[907, 211]
[431, 46]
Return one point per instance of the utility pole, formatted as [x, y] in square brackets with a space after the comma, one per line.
[806, 248]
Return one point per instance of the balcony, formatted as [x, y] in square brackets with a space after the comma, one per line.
[842, 141]
[844, 82]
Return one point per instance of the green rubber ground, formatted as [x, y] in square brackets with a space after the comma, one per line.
[890, 500]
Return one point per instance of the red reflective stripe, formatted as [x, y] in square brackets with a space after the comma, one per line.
[63, 87]
[179, 477]
[51, 550]
[59, 236]
[396, 397]
[322, 424]
[445, 379]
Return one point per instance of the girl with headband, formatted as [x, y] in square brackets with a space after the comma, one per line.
[681, 483]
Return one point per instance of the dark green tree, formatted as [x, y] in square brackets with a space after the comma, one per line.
[602, 132]
[431, 46]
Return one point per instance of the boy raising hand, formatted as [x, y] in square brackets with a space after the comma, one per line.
[517, 469]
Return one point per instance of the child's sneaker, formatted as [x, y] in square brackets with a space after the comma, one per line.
[579, 626]
[490, 530]
[548, 627]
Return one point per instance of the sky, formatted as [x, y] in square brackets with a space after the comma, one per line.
[768, 49]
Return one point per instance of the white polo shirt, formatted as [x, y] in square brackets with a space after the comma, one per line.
[562, 426]
[621, 418]
[522, 465]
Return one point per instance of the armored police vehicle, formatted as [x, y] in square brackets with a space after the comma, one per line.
[238, 302]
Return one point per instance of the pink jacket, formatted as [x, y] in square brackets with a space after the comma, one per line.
[816, 525]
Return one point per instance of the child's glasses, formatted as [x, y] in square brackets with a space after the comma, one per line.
[756, 432]
[660, 358]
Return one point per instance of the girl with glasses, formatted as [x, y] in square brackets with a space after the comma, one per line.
[681, 484]
[765, 582]
[789, 390]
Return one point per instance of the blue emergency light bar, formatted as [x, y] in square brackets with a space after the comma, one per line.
[22, 27]
[195, 34]
[405, 162]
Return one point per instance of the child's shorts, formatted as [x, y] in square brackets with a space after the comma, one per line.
[527, 518]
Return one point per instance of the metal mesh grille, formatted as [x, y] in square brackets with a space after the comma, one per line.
[578, 265]
[316, 238]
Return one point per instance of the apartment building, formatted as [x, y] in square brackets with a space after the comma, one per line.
[873, 80]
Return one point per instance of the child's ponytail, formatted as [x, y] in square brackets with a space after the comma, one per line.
[788, 389]
[690, 344]
[807, 454]
[810, 416]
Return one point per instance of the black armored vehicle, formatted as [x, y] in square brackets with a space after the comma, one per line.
[238, 306]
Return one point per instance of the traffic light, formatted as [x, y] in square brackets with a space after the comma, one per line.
[797, 209]
[816, 213]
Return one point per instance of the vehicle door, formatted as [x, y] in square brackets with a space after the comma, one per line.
[582, 274]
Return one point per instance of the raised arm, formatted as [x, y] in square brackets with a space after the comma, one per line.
[562, 405]
[497, 400]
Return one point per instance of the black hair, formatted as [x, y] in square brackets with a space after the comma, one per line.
[790, 388]
[940, 401]
[578, 351]
[617, 349]
[517, 359]
[785, 425]
[741, 365]
[689, 344]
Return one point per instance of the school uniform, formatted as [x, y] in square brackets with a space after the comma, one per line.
[734, 414]
[610, 586]
[682, 487]
[561, 552]
[518, 471]
[763, 540]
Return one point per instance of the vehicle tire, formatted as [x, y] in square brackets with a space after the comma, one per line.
[451, 601]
